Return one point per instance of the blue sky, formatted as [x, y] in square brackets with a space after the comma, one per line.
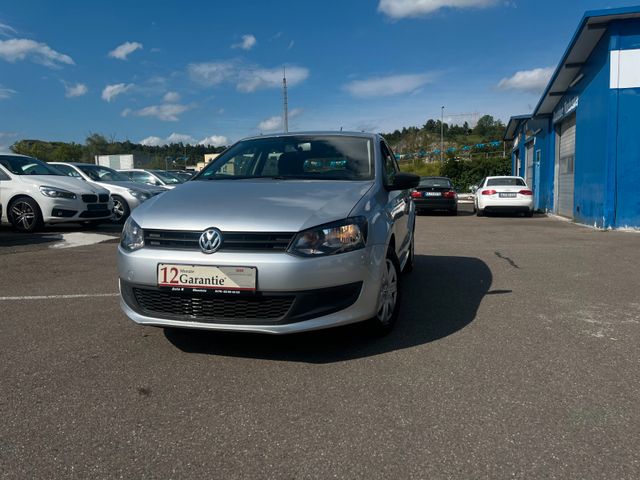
[210, 71]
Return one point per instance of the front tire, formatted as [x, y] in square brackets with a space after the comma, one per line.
[389, 296]
[121, 210]
[25, 215]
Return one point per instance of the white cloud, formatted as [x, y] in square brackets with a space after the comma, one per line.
[214, 141]
[271, 124]
[152, 141]
[77, 90]
[112, 91]
[274, 123]
[291, 44]
[167, 112]
[7, 30]
[252, 79]
[180, 137]
[6, 93]
[415, 8]
[121, 52]
[387, 86]
[171, 97]
[22, 48]
[6, 140]
[247, 43]
[527, 80]
[246, 78]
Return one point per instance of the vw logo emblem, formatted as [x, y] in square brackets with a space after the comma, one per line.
[210, 240]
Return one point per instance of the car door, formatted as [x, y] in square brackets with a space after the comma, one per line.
[398, 204]
[4, 196]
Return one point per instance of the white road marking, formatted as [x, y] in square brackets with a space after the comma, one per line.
[79, 239]
[55, 297]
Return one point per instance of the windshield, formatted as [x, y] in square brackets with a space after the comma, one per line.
[98, 173]
[166, 177]
[506, 181]
[297, 157]
[435, 182]
[27, 166]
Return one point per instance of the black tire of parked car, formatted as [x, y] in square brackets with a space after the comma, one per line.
[25, 215]
[120, 209]
[479, 212]
[383, 326]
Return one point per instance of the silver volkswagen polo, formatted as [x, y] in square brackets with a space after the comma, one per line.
[279, 234]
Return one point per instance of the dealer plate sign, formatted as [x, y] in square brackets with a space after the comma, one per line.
[207, 277]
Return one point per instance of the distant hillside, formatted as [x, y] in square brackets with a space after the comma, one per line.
[459, 141]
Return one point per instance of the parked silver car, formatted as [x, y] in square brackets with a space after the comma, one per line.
[126, 194]
[279, 234]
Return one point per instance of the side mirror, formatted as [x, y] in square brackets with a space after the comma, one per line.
[404, 181]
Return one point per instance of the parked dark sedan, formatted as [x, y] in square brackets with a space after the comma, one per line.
[435, 193]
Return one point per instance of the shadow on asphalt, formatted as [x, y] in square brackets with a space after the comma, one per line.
[440, 297]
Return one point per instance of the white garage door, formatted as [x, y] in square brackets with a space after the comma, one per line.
[529, 171]
[565, 162]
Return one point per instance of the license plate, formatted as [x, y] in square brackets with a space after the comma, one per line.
[96, 206]
[431, 194]
[196, 277]
[508, 195]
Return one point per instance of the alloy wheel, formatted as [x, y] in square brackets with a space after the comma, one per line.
[23, 215]
[388, 293]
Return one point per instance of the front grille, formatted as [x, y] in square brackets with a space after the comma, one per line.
[89, 198]
[103, 197]
[231, 241]
[215, 308]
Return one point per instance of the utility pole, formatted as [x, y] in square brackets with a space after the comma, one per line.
[442, 134]
[285, 113]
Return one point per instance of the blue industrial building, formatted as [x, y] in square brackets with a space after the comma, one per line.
[580, 148]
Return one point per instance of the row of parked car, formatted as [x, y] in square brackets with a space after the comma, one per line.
[491, 195]
[33, 192]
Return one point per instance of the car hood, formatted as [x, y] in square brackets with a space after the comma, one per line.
[74, 185]
[251, 205]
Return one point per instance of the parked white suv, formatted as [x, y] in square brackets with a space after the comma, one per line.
[32, 194]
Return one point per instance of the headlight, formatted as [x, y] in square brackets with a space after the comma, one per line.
[132, 236]
[56, 192]
[337, 237]
[140, 195]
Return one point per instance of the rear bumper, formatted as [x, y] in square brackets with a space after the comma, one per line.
[506, 204]
[423, 204]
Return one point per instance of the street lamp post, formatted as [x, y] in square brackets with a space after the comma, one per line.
[442, 134]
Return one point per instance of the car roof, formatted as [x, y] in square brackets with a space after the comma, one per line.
[11, 154]
[315, 133]
[505, 176]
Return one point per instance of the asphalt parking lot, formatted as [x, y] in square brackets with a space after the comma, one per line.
[515, 356]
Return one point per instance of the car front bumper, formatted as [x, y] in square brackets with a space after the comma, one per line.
[61, 210]
[324, 292]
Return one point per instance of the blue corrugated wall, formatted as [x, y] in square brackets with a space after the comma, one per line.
[627, 176]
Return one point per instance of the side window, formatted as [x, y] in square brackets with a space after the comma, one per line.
[67, 170]
[142, 177]
[389, 164]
